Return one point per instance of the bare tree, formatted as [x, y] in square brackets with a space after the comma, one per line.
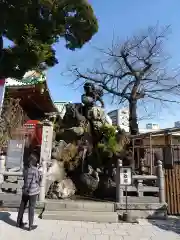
[135, 71]
[12, 117]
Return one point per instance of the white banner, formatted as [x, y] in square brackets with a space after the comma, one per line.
[2, 92]
[46, 145]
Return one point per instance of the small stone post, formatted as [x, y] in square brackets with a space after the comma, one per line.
[46, 148]
[2, 169]
[140, 188]
[161, 182]
[119, 190]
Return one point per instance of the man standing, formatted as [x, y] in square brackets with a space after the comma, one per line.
[30, 190]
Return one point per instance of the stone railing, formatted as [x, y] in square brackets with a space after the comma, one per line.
[15, 183]
[138, 184]
[14, 180]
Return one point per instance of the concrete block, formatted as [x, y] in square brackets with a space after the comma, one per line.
[102, 217]
[140, 206]
[69, 205]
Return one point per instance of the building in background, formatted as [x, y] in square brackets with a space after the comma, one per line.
[177, 124]
[152, 126]
[61, 107]
[120, 117]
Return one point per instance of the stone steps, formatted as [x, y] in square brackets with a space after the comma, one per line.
[70, 205]
[86, 216]
[88, 211]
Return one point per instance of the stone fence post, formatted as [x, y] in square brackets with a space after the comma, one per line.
[140, 188]
[2, 169]
[119, 190]
[161, 185]
[46, 148]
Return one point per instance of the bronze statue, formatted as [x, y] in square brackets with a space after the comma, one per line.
[92, 95]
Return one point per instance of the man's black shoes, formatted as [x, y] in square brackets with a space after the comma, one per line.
[20, 225]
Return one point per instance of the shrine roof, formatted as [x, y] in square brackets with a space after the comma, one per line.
[30, 78]
[34, 93]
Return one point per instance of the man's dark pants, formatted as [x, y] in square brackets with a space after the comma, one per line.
[32, 202]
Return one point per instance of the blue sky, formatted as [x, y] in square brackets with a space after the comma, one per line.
[119, 18]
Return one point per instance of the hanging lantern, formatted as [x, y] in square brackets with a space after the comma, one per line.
[42, 90]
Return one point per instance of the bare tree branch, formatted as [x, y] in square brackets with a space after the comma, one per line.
[136, 70]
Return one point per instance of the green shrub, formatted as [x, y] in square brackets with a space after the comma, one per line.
[108, 141]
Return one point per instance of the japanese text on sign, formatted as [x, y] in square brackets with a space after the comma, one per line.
[125, 176]
[46, 145]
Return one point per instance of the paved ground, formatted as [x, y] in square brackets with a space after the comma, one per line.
[61, 230]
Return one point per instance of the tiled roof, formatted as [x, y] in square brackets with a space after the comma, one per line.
[30, 78]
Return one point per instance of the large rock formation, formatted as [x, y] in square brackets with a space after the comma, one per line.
[86, 149]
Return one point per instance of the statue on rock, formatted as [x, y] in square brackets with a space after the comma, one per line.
[92, 95]
[86, 148]
[95, 114]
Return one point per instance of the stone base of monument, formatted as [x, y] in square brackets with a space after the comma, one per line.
[108, 212]
[88, 211]
[85, 216]
[141, 210]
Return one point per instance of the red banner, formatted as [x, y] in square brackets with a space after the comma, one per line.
[2, 82]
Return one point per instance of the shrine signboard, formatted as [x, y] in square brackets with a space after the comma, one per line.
[46, 145]
[125, 176]
[15, 154]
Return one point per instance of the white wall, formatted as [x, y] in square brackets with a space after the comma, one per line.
[120, 117]
[61, 107]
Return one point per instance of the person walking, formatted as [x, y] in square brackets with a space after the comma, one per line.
[30, 190]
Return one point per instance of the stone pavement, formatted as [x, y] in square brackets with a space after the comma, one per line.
[62, 230]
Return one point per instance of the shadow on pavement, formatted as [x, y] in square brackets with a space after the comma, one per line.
[170, 224]
[6, 217]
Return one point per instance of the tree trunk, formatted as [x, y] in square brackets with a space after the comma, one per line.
[133, 123]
